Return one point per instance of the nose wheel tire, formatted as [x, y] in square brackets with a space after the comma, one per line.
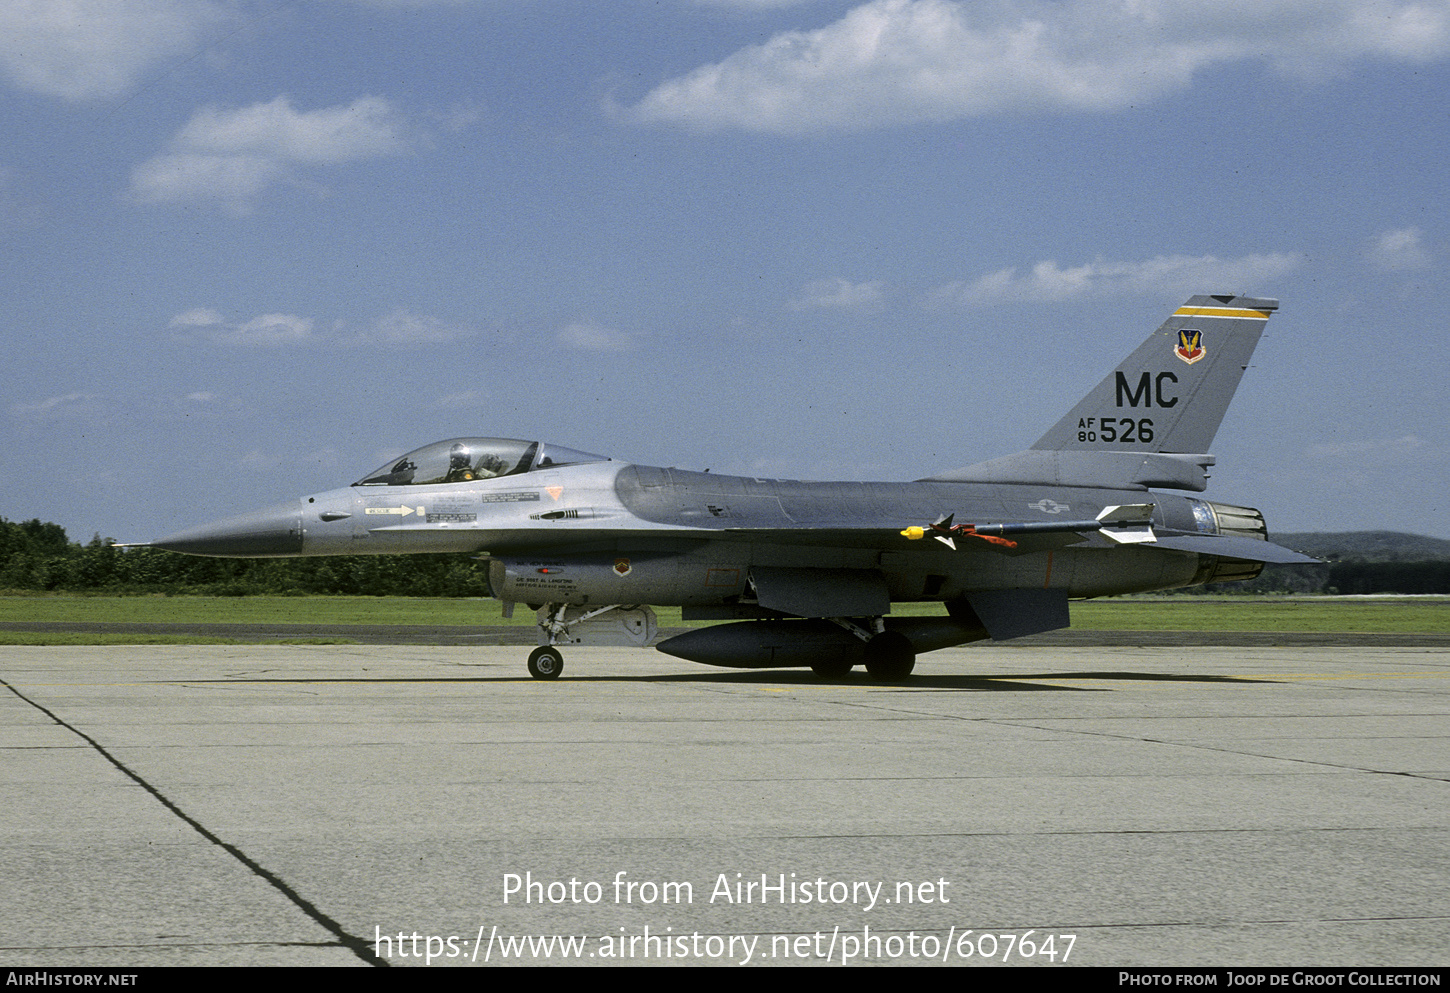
[546, 663]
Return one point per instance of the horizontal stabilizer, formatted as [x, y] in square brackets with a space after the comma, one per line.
[1235, 547]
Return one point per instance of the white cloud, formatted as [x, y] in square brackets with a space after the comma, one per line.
[1399, 249]
[838, 294]
[266, 330]
[1162, 274]
[199, 317]
[367, 127]
[205, 403]
[590, 337]
[904, 61]
[273, 329]
[235, 180]
[400, 328]
[232, 156]
[97, 49]
[458, 117]
[67, 405]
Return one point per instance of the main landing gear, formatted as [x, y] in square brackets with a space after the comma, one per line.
[890, 655]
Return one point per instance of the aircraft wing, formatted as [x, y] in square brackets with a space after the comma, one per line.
[1128, 524]
[1228, 546]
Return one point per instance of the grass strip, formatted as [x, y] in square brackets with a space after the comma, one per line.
[1407, 615]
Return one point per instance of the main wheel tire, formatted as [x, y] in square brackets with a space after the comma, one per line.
[832, 669]
[890, 656]
[546, 663]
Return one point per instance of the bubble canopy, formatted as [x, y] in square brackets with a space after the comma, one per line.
[463, 460]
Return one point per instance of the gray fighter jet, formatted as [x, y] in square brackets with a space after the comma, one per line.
[809, 571]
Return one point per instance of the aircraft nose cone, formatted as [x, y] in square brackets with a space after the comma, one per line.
[261, 533]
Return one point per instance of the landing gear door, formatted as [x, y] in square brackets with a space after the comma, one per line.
[616, 627]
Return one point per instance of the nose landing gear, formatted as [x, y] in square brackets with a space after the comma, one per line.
[546, 662]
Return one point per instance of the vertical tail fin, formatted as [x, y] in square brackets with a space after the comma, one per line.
[1171, 394]
[1152, 420]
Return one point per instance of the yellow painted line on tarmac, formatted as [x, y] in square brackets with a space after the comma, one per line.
[1432, 674]
[1222, 678]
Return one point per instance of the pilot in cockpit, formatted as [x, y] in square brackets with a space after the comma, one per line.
[459, 469]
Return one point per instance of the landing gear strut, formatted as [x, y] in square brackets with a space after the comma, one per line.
[890, 655]
[626, 625]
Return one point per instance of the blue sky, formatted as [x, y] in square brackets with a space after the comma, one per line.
[252, 249]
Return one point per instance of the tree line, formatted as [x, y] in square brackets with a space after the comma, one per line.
[37, 556]
[1341, 578]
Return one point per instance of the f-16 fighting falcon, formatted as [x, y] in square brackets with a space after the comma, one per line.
[808, 572]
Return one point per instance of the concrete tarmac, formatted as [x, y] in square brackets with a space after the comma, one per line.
[425, 805]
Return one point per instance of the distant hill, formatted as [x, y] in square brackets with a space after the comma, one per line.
[1351, 562]
[1365, 546]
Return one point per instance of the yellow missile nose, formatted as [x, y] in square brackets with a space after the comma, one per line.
[913, 533]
